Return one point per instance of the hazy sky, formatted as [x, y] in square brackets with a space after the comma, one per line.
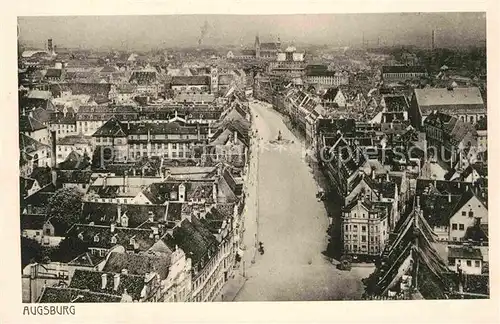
[136, 32]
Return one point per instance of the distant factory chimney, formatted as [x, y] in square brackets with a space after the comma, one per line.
[49, 45]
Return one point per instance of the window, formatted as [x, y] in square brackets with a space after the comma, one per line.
[354, 247]
[464, 213]
[363, 228]
[461, 227]
[347, 228]
[37, 233]
[454, 227]
[363, 247]
[471, 214]
[355, 227]
[469, 263]
[363, 238]
[477, 264]
[454, 238]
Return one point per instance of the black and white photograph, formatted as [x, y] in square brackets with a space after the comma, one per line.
[314, 157]
[249, 161]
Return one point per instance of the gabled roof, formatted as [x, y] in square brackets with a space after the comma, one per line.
[74, 161]
[138, 263]
[29, 124]
[395, 103]
[106, 213]
[143, 237]
[195, 239]
[92, 281]
[438, 209]
[430, 97]
[190, 80]
[68, 295]
[86, 259]
[112, 128]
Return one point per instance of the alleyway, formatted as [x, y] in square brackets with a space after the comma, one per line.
[291, 223]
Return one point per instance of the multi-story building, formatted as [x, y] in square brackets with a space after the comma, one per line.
[90, 118]
[397, 73]
[132, 141]
[465, 104]
[267, 51]
[190, 84]
[365, 227]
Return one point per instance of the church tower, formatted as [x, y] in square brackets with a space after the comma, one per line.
[257, 47]
[214, 80]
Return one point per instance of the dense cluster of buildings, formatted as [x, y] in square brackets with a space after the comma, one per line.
[409, 162]
[158, 160]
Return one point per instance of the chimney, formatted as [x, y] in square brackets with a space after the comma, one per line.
[53, 148]
[235, 137]
[105, 182]
[214, 192]
[118, 212]
[116, 282]
[387, 176]
[449, 197]
[124, 272]
[151, 217]
[418, 202]
[182, 192]
[104, 280]
[113, 226]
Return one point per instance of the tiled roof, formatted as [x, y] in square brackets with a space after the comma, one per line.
[464, 253]
[195, 239]
[92, 281]
[76, 88]
[29, 124]
[428, 98]
[138, 263]
[75, 161]
[86, 259]
[438, 209]
[68, 295]
[32, 221]
[53, 73]
[270, 46]
[106, 213]
[190, 80]
[403, 69]
[425, 186]
[144, 238]
[395, 103]
[143, 77]
[74, 176]
[39, 94]
[112, 128]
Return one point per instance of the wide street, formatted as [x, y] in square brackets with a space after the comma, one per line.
[283, 211]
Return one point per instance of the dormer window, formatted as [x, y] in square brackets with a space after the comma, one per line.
[96, 238]
[132, 241]
[113, 239]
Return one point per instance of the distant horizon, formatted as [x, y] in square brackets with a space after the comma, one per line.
[133, 33]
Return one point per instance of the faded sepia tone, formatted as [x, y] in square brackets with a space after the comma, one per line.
[253, 158]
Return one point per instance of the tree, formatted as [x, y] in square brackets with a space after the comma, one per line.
[31, 251]
[68, 249]
[65, 206]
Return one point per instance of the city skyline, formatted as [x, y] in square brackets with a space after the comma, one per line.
[127, 32]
